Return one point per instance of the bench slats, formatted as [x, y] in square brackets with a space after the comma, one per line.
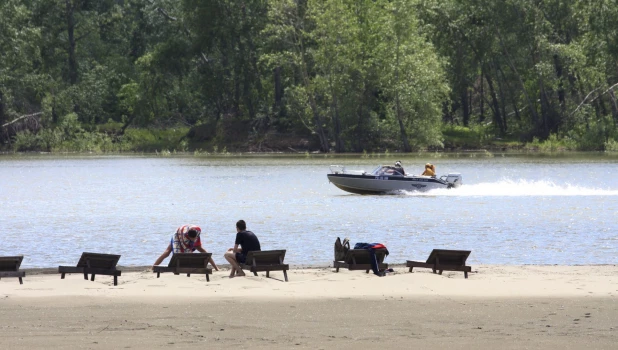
[360, 259]
[187, 263]
[94, 264]
[9, 267]
[266, 260]
[444, 260]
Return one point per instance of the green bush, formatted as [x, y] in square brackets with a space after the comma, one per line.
[611, 145]
[68, 136]
[552, 144]
[467, 137]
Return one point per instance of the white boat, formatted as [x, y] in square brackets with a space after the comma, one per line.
[388, 179]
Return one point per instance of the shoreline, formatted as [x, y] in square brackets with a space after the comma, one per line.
[322, 282]
[140, 268]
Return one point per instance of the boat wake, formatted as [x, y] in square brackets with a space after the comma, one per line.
[518, 188]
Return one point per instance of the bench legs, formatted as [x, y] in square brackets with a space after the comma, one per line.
[285, 273]
[20, 280]
[93, 275]
[436, 268]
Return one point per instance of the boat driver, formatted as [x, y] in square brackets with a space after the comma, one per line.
[399, 167]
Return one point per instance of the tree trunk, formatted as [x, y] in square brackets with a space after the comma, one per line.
[253, 56]
[511, 94]
[502, 99]
[402, 127]
[339, 146]
[70, 17]
[2, 115]
[278, 88]
[495, 105]
[614, 105]
[465, 107]
[535, 116]
[482, 100]
[561, 93]
[544, 110]
[319, 128]
[358, 144]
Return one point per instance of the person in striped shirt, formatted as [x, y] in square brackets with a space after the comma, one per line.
[185, 240]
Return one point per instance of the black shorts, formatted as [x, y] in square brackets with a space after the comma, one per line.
[240, 258]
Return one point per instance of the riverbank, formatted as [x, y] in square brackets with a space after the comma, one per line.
[531, 306]
[109, 139]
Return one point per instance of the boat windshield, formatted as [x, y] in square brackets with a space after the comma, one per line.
[386, 170]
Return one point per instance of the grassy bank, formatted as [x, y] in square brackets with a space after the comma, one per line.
[110, 138]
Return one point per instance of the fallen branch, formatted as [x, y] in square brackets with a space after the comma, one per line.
[611, 88]
[20, 118]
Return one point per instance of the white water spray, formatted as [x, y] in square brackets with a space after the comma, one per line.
[518, 188]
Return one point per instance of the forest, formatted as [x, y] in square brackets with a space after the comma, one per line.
[307, 75]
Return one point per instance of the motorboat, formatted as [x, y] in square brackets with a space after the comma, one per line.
[388, 179]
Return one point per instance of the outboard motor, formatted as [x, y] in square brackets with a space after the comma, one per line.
[453, 179]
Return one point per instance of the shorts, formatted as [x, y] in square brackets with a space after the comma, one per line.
[240, 258]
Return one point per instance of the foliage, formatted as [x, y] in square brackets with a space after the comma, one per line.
[466, 137]
[552, 144]
[350, 75]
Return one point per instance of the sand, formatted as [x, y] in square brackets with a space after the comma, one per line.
[497, 307]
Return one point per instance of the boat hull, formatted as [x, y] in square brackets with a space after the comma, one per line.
[370, 184]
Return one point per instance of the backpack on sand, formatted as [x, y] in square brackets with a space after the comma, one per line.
[341, 248]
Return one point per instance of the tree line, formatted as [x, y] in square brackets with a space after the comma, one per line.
[348, 75]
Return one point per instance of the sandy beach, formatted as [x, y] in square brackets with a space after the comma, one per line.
[497, 307]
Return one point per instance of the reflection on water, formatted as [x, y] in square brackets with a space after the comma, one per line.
[512, 210]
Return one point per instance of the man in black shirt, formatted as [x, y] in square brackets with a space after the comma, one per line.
[248, 242]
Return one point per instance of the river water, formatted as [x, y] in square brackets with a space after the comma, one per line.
[512, 209]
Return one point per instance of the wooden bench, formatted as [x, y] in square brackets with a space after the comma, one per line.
[360, 259]
[187, 263]
[444, 260]
[9, 267]
[266, 260]
[94, 264]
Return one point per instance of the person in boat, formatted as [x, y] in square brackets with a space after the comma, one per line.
[399, 167]
[248, 242]
[185, 240]
[430, 170]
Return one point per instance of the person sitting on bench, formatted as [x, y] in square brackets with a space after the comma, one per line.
[185, 240]
[248, 242]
